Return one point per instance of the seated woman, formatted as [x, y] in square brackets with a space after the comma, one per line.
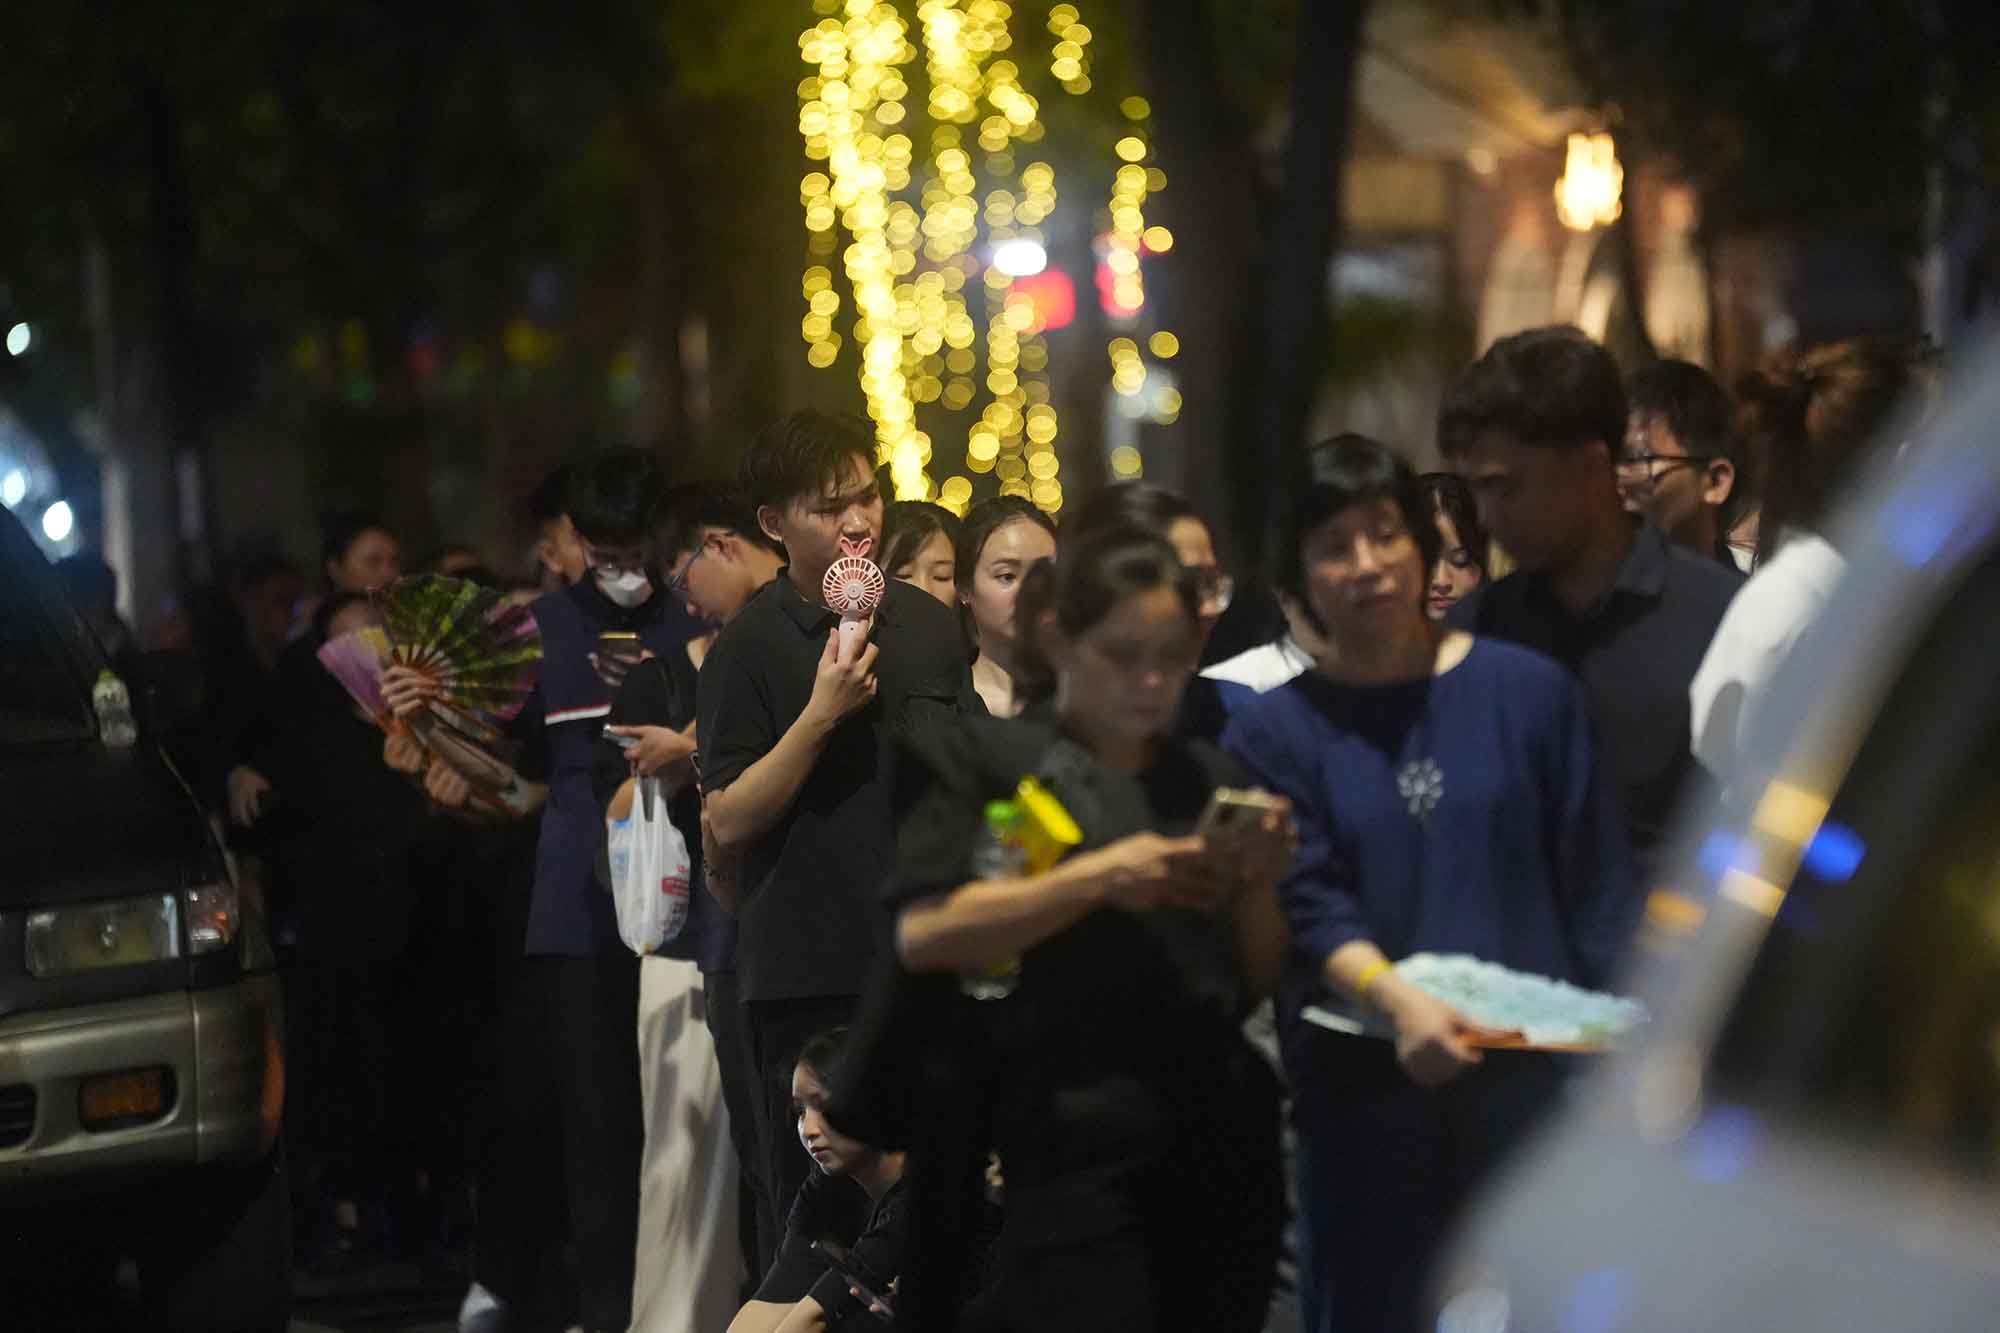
[855, 1202]
[1138, 1129]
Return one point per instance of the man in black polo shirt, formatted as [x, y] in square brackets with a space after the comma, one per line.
[1534, 427]
[796, 755]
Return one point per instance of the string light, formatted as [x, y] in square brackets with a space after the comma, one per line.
[924, 238]
[854, 105]
[1069, 61]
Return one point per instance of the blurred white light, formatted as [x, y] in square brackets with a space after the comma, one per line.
[1020, 257]
[57, 520]
[18, 339]
[13, 488]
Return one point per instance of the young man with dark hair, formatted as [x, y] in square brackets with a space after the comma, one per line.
[1679, 463]
[797, 760]
[1534, 427]
[715, 559]
[717, 556]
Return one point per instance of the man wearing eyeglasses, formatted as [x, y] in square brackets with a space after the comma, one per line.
[1678, 465]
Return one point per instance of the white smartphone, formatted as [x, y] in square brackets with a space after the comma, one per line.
[1234, 808]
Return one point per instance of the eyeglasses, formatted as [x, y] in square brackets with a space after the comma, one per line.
[616, 559]
[1654, 464]
[677, 586]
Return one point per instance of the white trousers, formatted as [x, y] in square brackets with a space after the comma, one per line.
[689, 1257]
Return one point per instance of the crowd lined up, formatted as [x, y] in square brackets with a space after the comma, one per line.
[884, 1072]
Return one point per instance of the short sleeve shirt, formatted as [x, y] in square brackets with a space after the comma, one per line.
[807, 922]
[1107, 1013]
[830, 1209]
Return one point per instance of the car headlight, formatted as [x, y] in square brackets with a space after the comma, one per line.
[64, 941]
[214, 916]
[67, 940]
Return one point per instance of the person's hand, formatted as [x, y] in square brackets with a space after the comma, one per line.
[720, 868]
[402, 752]
[1146, 871]
[246, 790]
[1257, 853]
[1431, 1037]
[996, 1178]
[406, 690]
[843, 685]
[659, 748]
[444, 785]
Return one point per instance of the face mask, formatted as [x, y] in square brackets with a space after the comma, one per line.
[627, 588]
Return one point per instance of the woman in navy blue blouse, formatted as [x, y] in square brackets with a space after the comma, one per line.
[1448, 798]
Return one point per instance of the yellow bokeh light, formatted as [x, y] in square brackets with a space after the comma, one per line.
[1047, 494]
[1164, 345]
[821, 355]
[1043, 466]
[1131, 148]
[1136, 108]
[1158, 239]
[1126, 463]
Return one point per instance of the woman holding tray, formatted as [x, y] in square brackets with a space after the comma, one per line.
[1448, 797]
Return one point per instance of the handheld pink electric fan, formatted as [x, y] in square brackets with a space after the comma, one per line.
[853, 588]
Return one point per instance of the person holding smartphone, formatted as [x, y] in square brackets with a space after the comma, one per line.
[1139, 1130]
[1450, 799]
[849, 1223]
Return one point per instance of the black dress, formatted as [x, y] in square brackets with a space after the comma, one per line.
[1137, 1130]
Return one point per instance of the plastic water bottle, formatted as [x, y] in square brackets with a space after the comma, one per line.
[1000, 855]
[114, 711]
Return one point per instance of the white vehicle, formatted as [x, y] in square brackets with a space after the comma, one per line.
[1807, 1136]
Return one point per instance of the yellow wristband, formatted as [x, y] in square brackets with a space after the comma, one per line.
[1369, 976]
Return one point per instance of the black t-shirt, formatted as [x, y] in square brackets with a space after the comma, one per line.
[807, 921]
[660, 692]
[1095, 1044]
[836, 1209]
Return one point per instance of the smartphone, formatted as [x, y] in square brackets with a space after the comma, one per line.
[1234, 808]
[622, 742]
[870, 1286]
[622, 644]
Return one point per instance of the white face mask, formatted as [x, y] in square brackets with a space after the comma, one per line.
[626, 588]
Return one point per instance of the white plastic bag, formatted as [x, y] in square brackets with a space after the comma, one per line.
[649, 871]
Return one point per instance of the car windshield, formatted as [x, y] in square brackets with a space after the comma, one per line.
[1874, 1002]
[41, 697]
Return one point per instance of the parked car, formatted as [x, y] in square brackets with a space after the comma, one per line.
[141, 1075]
[1808, 1134]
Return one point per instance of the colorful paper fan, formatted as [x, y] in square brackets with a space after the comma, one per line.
[356, 660]
[483, 651]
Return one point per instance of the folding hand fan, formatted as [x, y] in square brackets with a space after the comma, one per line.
[356, 660]
[482, 651]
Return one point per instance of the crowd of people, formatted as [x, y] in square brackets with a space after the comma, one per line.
[889, 1069]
